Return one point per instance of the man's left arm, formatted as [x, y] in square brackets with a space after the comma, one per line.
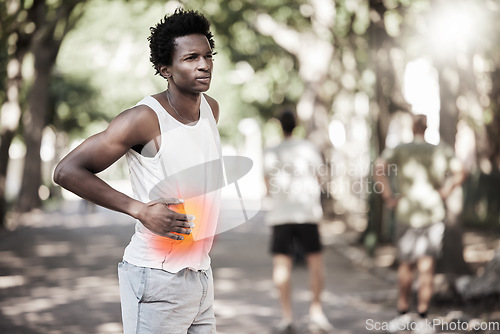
[458, 176]
[382, 181]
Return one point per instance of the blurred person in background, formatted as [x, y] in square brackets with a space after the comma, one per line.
[291, 171]
[165, 278]
[425, 175]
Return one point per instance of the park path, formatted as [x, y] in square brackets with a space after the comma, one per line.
[58, 274]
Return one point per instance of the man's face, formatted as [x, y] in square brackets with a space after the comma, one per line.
[192, 64]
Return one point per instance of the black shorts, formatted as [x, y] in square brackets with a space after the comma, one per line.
[306, 235]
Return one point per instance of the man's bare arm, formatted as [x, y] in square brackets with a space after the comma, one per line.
[381, 172]
[458, 177]
[76, 172]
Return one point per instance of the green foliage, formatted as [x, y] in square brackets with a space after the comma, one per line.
[3, 74]
[253, 75]
[482, 201]
[3, 50]
[109, 48]
[73, 105]
[261, 75]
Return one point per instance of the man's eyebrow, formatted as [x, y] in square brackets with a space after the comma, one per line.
[195, 53]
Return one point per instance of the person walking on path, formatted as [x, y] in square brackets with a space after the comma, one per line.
[291, 173]
[422, 183]
[165, 279]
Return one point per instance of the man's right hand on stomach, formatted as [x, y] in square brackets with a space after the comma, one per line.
[157, 217]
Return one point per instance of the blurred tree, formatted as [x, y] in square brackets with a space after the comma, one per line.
[318, 36]
[301, 53]
[73, 105]
[387, 60]
[467, 64]
[315, 54]
[453, 82]
[397, 31]
[16, 34]
[478, 69]
[288, 49]
[112, 54]
[51, 21]
[492, 117]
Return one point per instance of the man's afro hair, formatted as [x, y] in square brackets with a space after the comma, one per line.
[180, 23]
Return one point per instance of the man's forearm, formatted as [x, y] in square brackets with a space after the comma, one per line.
[90, 187]
[382, 180]
[456, 180]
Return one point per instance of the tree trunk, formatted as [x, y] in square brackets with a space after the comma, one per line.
[6, 139]
[45, 47]
[448, 119]
[381, 118]
[387, 100]
[11, 115]
[312, 108]
[493, 127]
[34, 123]
[452, 259]
[317, 133]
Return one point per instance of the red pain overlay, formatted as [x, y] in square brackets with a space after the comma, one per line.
[202, 233]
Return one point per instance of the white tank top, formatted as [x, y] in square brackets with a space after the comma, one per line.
[187, 166]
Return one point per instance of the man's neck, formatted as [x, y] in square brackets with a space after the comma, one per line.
[185, 103]
[184, 96]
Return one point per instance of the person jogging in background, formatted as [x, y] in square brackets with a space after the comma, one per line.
[165, 278]
[291, 173]
[421, 172]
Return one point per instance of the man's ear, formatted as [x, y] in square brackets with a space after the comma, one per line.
[165, 71]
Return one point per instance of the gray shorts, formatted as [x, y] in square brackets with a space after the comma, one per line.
[414, 243]
[156, 301]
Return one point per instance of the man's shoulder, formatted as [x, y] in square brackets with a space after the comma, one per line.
[414, 146]
[139, 119]
[139, 112]
[209, 99]
[214, 105]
